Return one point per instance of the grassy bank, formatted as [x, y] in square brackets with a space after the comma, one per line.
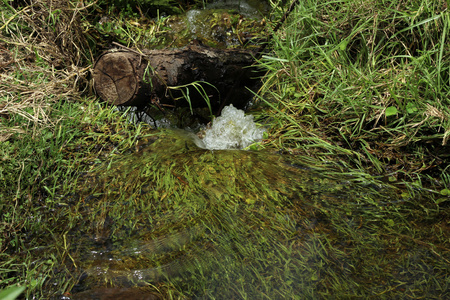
[362, 86]
[51, 132]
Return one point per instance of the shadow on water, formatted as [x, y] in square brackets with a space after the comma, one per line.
[173, 220]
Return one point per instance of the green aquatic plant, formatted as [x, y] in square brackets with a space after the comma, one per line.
[11, 293]
[196, 222]
[199, 88]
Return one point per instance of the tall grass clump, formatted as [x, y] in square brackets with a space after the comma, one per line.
[50, 134]
[367, 82]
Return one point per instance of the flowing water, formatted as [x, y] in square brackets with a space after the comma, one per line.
[231, 130]
[221, 24]
[178, 218]
[235, 224]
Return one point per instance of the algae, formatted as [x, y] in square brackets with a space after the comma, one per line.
[204, 221]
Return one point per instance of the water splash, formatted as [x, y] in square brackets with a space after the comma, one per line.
[232, 130]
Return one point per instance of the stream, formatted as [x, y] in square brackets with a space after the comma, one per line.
[236, 224]
[180, 217]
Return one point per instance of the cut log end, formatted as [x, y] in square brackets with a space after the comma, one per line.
[115, 78]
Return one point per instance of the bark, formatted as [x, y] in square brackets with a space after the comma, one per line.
[165, 77]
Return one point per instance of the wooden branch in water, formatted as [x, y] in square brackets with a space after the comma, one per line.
[175, 77]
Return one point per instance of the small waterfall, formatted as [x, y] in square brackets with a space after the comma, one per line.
[231, 130]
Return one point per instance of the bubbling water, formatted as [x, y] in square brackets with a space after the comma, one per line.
[232, 130]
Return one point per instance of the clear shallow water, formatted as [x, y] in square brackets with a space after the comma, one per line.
[173, 220]
[239, 224]
[221, 24]
[250, 8]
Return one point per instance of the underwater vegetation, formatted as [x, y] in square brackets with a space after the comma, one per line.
[345, 196]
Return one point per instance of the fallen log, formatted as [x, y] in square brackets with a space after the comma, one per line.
[191, 76]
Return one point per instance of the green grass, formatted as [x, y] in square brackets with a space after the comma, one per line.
[369, 77]
[36, 174]
[50, 135]
[355, 96]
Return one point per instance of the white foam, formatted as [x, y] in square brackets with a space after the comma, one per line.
[232, 130]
